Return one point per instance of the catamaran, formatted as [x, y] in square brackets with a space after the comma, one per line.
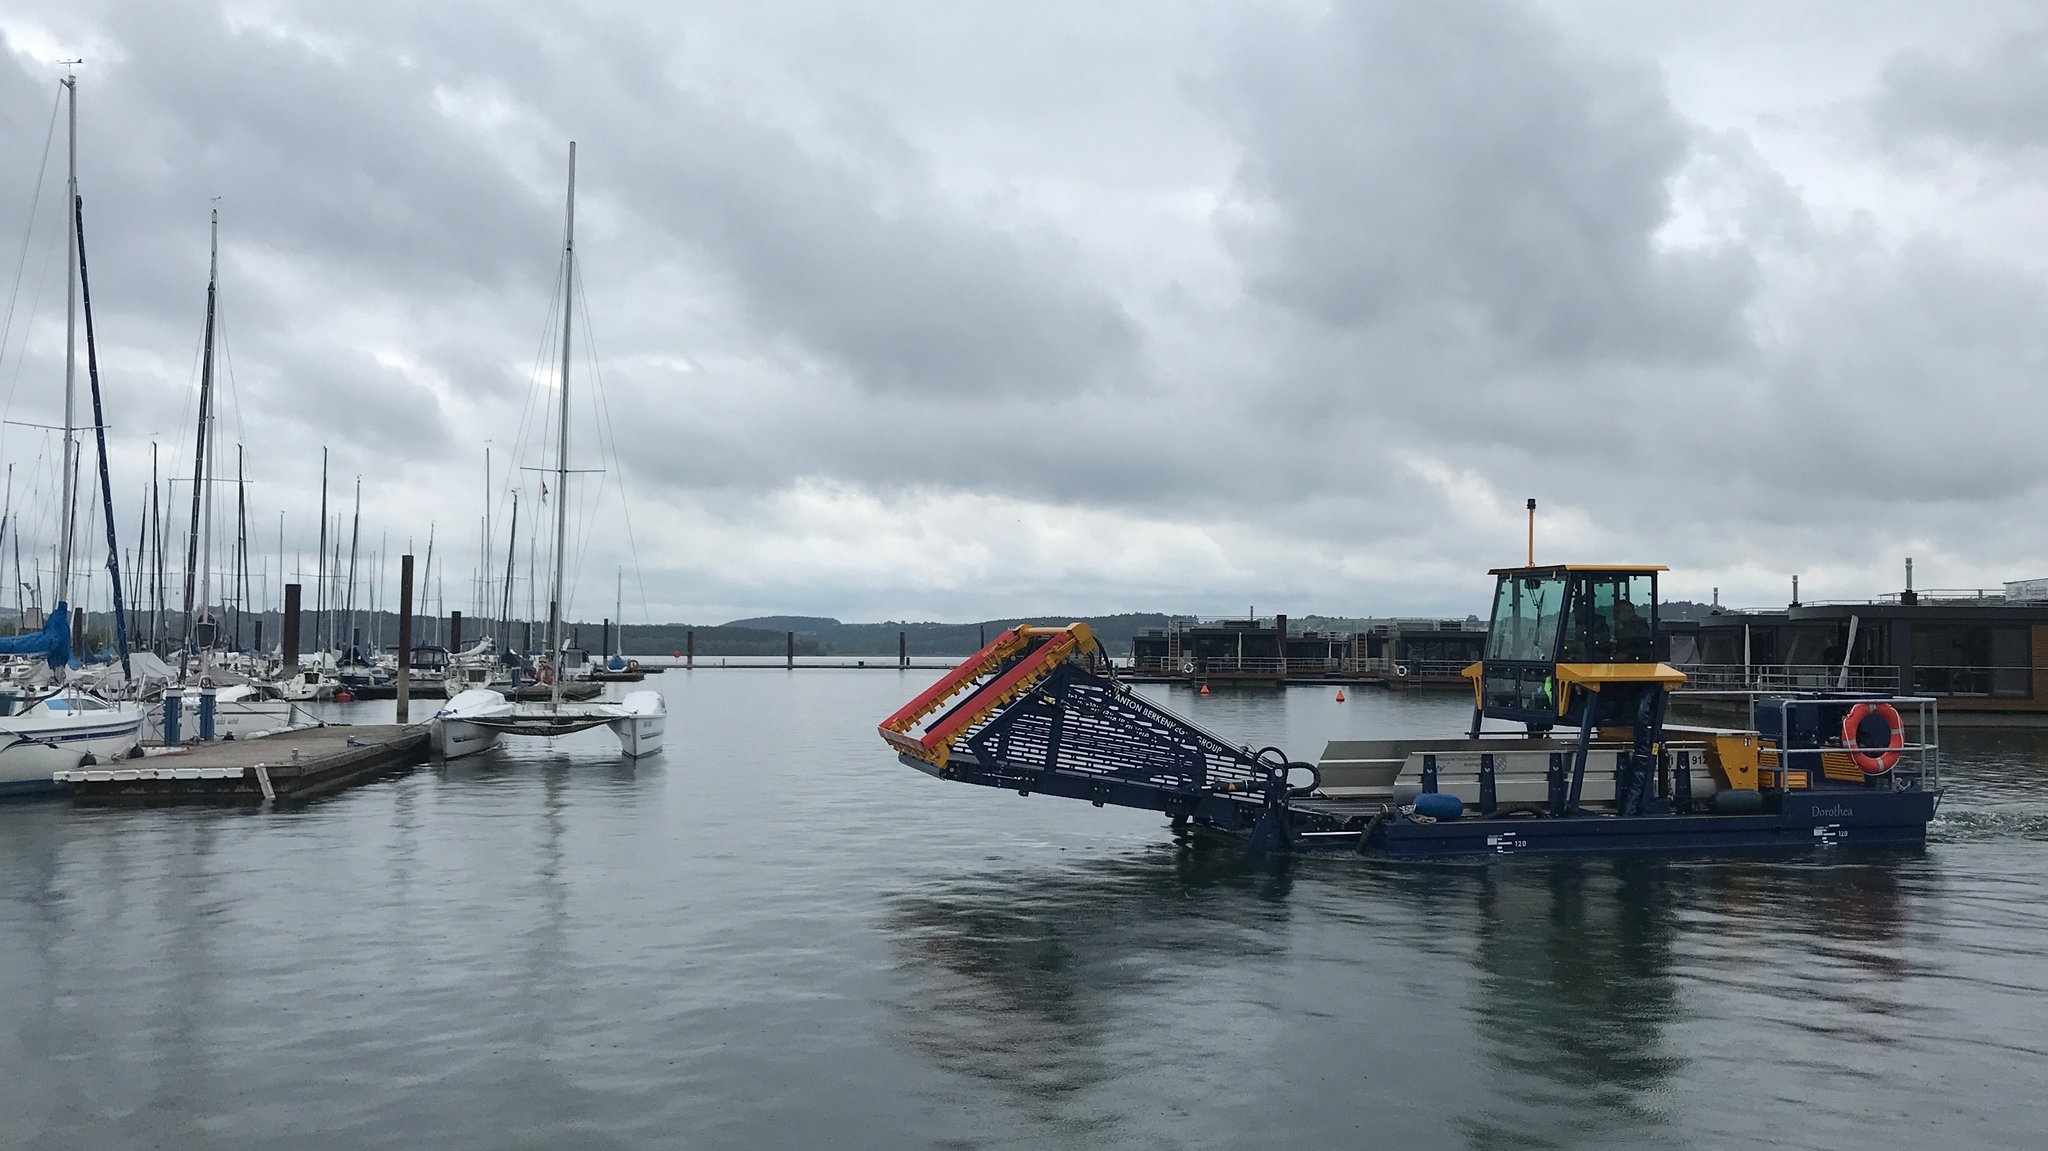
[475, 718]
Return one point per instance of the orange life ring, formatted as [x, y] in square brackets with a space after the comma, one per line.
[1872, 761]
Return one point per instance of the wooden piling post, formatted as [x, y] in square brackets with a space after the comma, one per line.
[405, 639]
[290, 660]
[903, 649]
[690, 648]
[789, 660]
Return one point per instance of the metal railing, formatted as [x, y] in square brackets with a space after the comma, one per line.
[1919, 763]
[1975, 680]
[1427, 668]
[1994, 681]
[1788, 677]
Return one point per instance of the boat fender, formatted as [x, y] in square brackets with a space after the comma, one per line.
[1439, 805]
[1866, 753]
[632, 665]
[1738, 801]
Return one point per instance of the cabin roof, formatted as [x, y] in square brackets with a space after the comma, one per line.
[1578, 568]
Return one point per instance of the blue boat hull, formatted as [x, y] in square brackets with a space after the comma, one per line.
[1802, 821]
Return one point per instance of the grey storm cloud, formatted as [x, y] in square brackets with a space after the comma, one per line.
[1991, 95]
[892, 285]
[1407, 164]
[1329, 288]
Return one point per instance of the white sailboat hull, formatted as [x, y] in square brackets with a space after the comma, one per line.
[642, 724]
[36, 745]
[454, 738]
[455, 730]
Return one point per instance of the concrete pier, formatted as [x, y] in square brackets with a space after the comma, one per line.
[285, 767]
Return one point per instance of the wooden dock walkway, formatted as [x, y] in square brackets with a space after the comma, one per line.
[285, 767]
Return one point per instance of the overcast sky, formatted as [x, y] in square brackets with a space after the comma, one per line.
[953, 310]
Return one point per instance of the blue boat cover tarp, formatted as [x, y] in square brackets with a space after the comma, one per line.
[54, 641]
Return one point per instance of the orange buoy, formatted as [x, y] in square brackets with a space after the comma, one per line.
[1340, 695]
[679, 655]
[1205, 689]
[343, 697]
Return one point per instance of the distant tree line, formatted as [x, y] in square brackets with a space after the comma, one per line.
[758, 636]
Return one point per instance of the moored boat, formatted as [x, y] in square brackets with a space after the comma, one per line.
[62, 732]
[475, 718]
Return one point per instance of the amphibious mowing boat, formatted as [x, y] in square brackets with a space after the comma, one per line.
[1592, 766]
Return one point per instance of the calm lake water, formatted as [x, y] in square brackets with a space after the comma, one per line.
[774, 935]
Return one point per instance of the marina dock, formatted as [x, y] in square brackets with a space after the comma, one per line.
[286, 767]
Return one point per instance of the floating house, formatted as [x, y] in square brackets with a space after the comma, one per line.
[1399, 652]
[1982, 651]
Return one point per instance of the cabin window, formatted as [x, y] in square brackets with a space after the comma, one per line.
[1612, 619]
[1520, 689]
[1526, 612]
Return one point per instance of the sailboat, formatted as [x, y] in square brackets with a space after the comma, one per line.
[68, 728]
[241, 708]
[474, 719]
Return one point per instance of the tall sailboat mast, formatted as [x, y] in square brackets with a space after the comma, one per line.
[238, 582]
[20, 620]
[355, 539]
[427, 573]
[483, 571]
[320, 564]
[562, 437]
[156, 556]
[511, 562]
[99, 428]
[68, 530]
[195, 581]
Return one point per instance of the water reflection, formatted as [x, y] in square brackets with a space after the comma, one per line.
[1027, 981]
[1578, 983]
[1587, 972]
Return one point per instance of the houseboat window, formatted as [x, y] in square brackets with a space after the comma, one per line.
[1526, 611]
[1972, 660]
